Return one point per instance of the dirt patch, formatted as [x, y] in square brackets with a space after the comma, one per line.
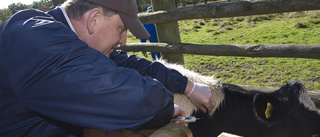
[273, 80]
[206, 68]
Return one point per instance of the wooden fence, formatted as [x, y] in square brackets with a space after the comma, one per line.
[229, 9]
[166, 16]
[259, 50]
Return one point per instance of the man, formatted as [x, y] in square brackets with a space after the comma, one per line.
[152, 39]
[59, 73]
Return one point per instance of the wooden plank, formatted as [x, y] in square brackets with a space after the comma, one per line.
[170, 130]
[229, 9]
[259, 50]
[120, 133]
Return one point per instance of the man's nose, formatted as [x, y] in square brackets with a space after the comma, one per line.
[123, 38]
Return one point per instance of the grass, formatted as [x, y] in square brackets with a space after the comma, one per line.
[287, 28]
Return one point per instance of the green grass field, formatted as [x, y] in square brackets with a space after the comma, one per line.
[286, 28]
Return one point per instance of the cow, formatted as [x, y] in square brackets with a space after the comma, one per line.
[285, 112]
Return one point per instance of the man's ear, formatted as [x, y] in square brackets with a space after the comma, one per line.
[93, 20]
[268, 109]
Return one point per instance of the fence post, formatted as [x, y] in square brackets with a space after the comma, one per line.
[168, 32]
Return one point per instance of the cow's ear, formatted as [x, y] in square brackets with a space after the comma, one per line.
[268, 109]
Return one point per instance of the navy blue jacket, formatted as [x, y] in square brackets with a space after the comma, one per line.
[53, 84]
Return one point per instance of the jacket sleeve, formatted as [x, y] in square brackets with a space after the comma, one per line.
[56, 75]
[172, 79]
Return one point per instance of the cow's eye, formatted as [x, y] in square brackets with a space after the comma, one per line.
[285, 99]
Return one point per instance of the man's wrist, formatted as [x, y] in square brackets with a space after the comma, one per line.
[194, 86]
[189, 87]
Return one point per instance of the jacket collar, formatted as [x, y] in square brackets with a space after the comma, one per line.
[60, 15]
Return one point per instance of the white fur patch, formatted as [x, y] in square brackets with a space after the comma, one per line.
[183, 101]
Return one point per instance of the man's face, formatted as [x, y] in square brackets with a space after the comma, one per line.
[111, 32]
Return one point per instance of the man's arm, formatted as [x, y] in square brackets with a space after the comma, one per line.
[172, 79]
[199, 94]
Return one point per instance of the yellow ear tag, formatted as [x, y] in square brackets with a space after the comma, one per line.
[268, 111]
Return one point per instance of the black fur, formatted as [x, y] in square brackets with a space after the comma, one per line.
[244, 114]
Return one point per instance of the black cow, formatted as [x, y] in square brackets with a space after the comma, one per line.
[286, 112]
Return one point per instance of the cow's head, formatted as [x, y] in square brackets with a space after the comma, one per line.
[290, 109]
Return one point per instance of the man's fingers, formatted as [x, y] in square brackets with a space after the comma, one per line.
[207, 108]
[203, 108]
[213, 102]
[178, 111]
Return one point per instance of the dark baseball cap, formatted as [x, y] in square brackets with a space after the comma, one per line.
[128, 11]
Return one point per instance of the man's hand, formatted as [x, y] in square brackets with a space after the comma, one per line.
[178, 111]
[201, 96]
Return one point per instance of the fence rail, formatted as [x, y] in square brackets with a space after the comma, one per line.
[229, 9]
[259, 50]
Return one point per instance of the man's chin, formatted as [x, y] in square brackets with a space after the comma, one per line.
[109, 52]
